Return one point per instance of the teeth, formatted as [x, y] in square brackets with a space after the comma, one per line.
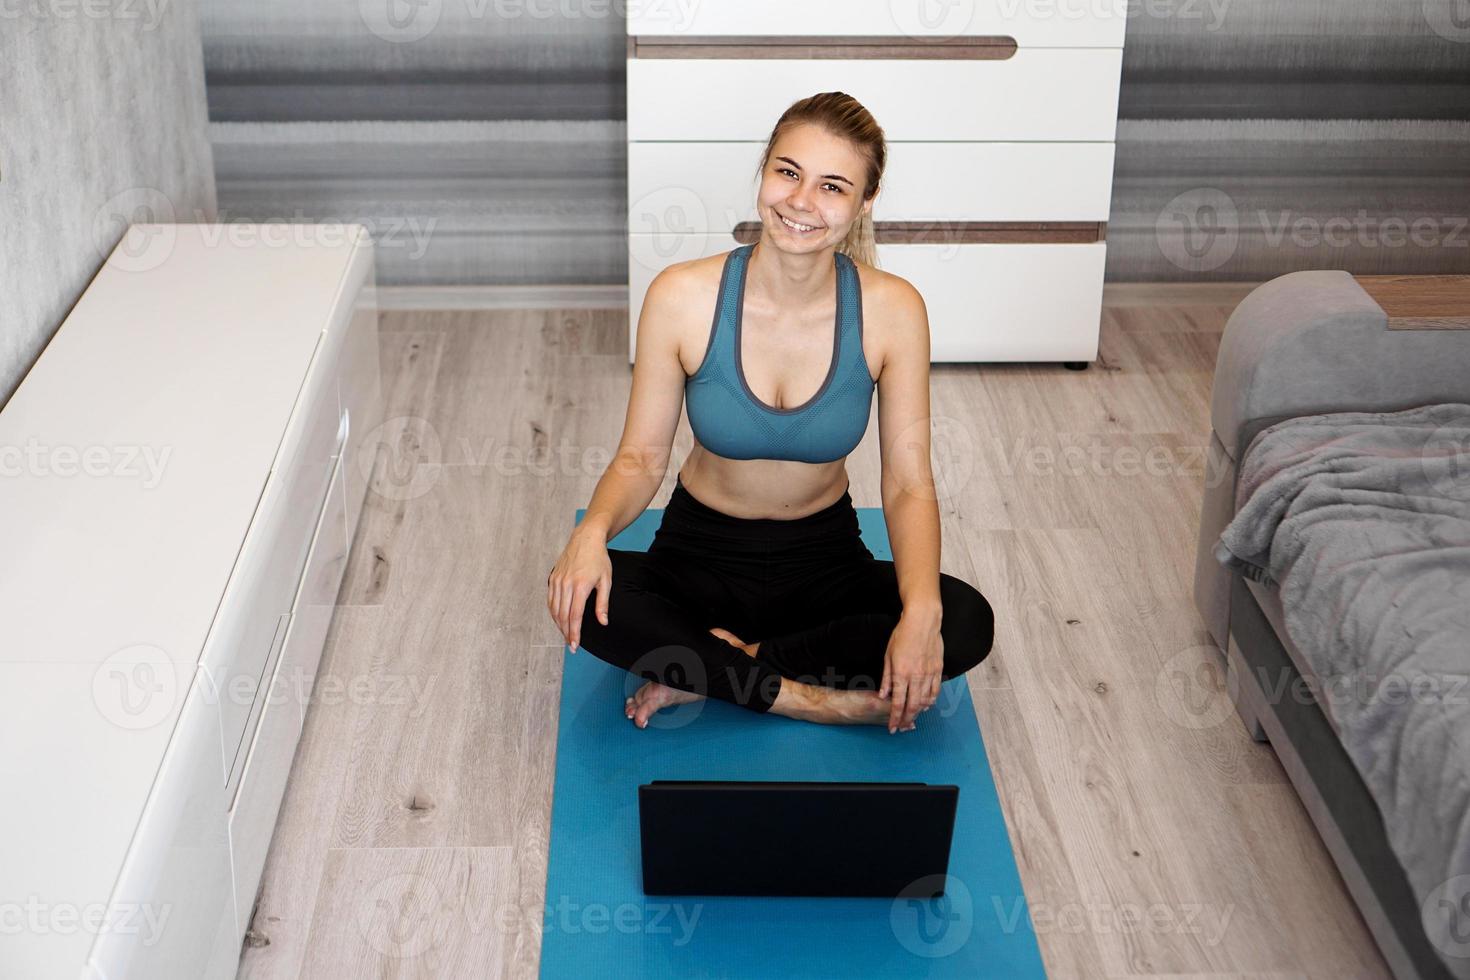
[793, 224]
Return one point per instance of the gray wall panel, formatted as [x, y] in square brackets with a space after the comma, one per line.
[102, 121]
[1311, 112]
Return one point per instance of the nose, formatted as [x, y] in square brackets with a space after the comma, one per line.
[800, 199]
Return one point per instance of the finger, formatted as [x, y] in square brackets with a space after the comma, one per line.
[564, 608]
[887, 676]
[916, 704]
[604, 587]
[900, 699]
[554, 606]
[931, 691]
[575, 611]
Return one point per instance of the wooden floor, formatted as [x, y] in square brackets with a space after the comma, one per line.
[1153, 837]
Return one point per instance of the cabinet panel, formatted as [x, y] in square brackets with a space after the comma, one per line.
[252, 814]
[263, 783]
[245, 638]
[177, 883]
[695, 187]
[986, 302]
[1045, 94]
[1006, 302]
[317, 600]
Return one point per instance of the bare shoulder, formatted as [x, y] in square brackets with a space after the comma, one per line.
[681, 300]
[894, 315]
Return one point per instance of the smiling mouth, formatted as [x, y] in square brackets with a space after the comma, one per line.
[800, 229]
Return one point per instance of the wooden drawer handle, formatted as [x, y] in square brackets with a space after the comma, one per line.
[806, 47]
[966, 232]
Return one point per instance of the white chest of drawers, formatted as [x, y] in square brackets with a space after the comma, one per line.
[1000, 119]
[176, 521]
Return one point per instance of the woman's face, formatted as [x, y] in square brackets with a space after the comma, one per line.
[816, 180]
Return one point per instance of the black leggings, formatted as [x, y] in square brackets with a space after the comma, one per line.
[807, 588]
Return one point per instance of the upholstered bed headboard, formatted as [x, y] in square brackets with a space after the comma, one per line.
[1308, 343]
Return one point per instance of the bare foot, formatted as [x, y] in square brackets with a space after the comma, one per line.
[653, 696]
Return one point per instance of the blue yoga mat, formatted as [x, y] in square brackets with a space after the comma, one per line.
[598, 923]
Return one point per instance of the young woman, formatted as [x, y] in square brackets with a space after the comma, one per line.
[757, 588]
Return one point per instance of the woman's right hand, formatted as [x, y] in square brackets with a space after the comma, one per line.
[584, 565]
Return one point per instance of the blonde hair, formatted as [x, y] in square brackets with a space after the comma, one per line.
[844, 117]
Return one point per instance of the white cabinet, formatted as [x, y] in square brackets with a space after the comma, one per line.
[1000, 121]
[176, 523]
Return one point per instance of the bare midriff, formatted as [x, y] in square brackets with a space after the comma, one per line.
[762, 488]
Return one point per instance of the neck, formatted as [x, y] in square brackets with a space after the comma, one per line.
[792, 280]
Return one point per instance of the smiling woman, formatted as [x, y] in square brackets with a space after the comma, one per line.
[757, 588]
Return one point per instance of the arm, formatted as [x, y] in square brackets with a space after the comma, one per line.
[637, 468]
[912, 671]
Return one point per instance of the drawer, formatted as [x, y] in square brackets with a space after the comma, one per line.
[317, 599]
[178, 868]
[1054, 24]
[1039, 95]
[689, 187]
[986, 302]
[257, 802]
[1006, 302]
[249, 630]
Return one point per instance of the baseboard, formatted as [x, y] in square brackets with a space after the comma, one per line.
[549, 296]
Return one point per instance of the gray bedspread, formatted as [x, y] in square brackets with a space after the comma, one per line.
[1362, 522]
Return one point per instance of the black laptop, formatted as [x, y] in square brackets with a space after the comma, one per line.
[795, 838]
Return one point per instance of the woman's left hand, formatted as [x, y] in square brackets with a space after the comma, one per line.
[912, 670]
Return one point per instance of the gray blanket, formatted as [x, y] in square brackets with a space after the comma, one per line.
[1362, 522]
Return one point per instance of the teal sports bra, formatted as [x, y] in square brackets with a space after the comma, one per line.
[730, 421]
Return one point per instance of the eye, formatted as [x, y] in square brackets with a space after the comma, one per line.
[788, 170]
